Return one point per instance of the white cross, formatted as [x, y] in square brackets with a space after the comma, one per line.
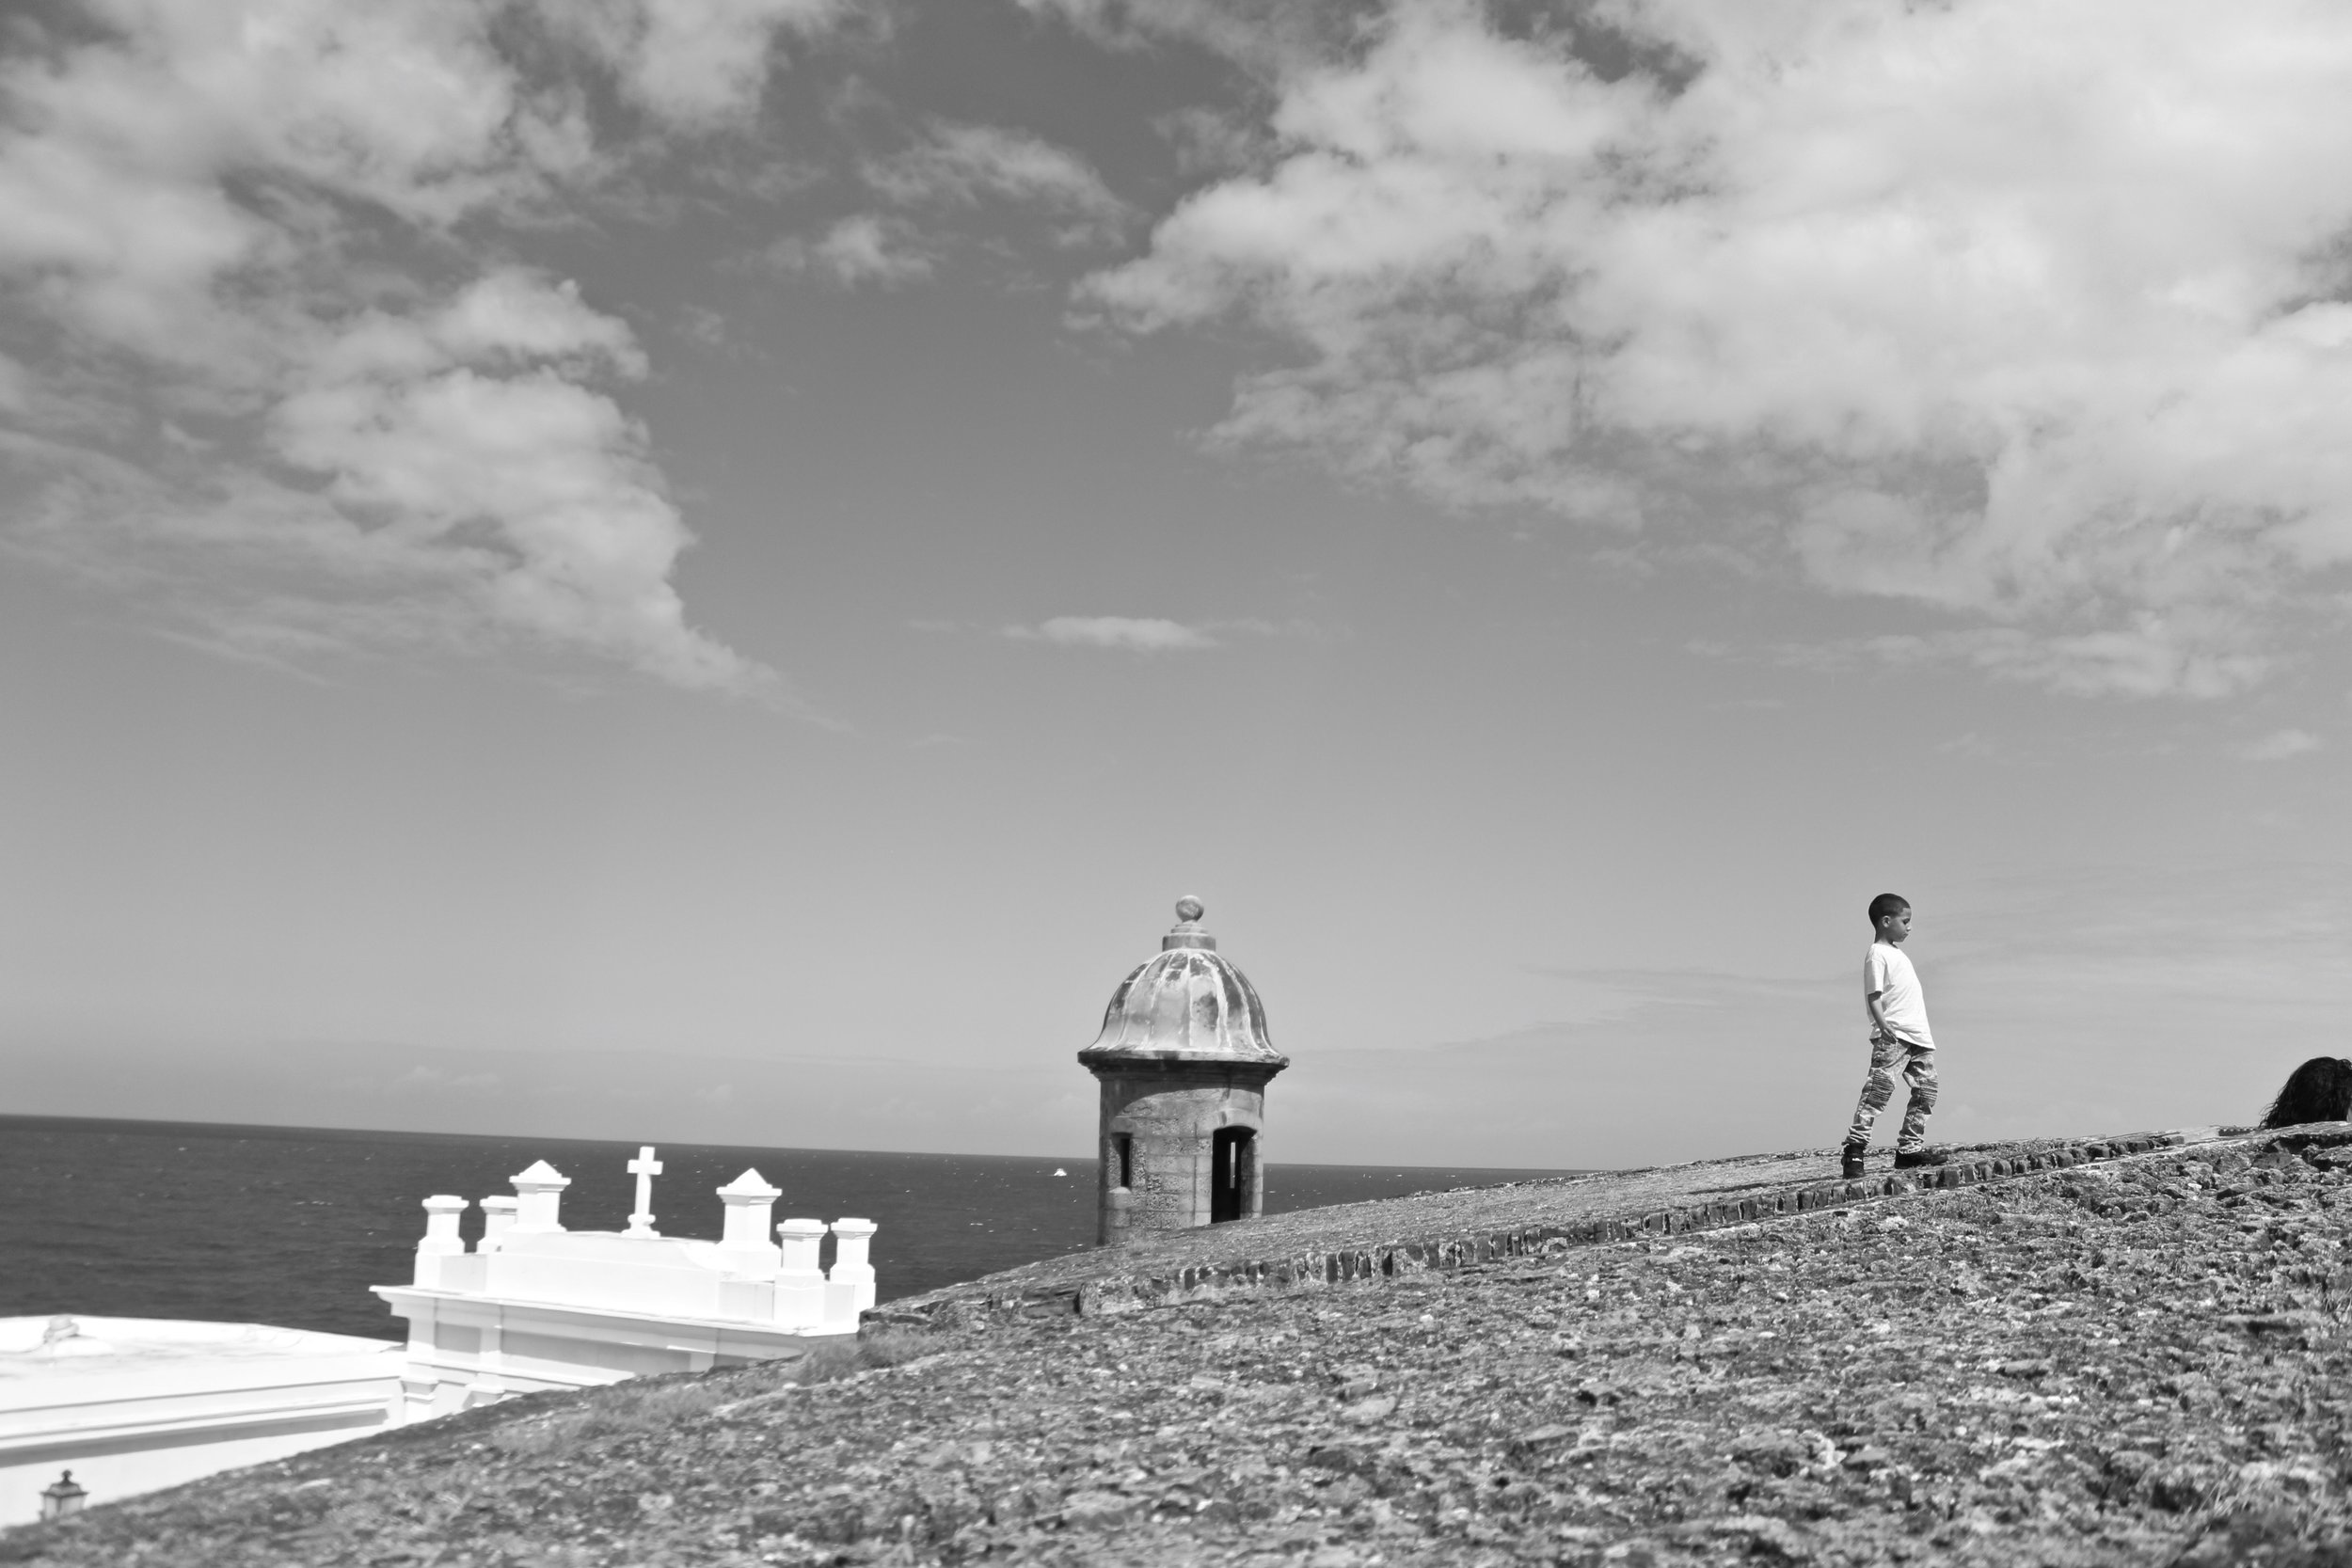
[645, 1167]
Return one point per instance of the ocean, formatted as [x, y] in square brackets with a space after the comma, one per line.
[290, 1226]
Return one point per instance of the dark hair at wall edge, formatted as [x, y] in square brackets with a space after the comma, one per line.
[2319, 1090]
[1886, 904]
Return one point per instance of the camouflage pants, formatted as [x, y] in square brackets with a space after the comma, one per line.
[1917, 1063]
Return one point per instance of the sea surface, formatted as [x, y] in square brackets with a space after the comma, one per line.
[290, 1226]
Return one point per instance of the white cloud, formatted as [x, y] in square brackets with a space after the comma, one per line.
[2142, 660]
[964, 166]
[1210, 141]
[2030, 310]
[1265, 36]
[2280, 745]
[538, 482]
[866, 248]
[1139, 634]
[278, 383]
[696, 62]
[950, 189]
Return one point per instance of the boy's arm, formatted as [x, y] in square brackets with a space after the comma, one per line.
[1878, 1014]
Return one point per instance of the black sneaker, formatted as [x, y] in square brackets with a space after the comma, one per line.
[1916, 1158]
[1854, 1162]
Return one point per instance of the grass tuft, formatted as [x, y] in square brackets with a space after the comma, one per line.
[650, 1404]
[623, 1409]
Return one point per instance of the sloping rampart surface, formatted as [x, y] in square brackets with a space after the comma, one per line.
[1476, 1225]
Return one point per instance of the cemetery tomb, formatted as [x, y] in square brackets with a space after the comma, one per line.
[534, 1306]
[133, 1404]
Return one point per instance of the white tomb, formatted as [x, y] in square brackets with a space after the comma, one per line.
[534, 1306]
[132, 1404]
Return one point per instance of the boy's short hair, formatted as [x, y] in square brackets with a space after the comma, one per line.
[1884, 905]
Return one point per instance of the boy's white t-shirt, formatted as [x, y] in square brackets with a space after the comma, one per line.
[1887, 970]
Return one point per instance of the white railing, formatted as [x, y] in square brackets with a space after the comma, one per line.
[525, 1255]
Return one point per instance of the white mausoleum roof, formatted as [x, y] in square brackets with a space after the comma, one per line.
[61, 1346]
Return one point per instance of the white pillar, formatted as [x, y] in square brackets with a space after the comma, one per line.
[486, 1387]
[745, 1242]
[497, 1218]
[417, 1378]
[799, 1284]
[850, 1289]
[537, 1192]
[441, 1211]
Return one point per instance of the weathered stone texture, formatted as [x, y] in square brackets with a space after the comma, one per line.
[1453, 1229]
[2141, 1360]
[1184, 1059]
[1173, 1116]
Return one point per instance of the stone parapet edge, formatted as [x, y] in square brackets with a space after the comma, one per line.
[977, 1304]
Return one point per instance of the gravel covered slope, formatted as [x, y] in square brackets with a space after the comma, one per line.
[1445, 1229]
[2138, 1362]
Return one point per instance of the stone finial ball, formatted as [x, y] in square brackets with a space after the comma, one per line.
[1190, 909]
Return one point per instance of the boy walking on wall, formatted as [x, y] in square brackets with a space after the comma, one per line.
[1899, 1041]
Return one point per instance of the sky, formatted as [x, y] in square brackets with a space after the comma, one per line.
[710, 569]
